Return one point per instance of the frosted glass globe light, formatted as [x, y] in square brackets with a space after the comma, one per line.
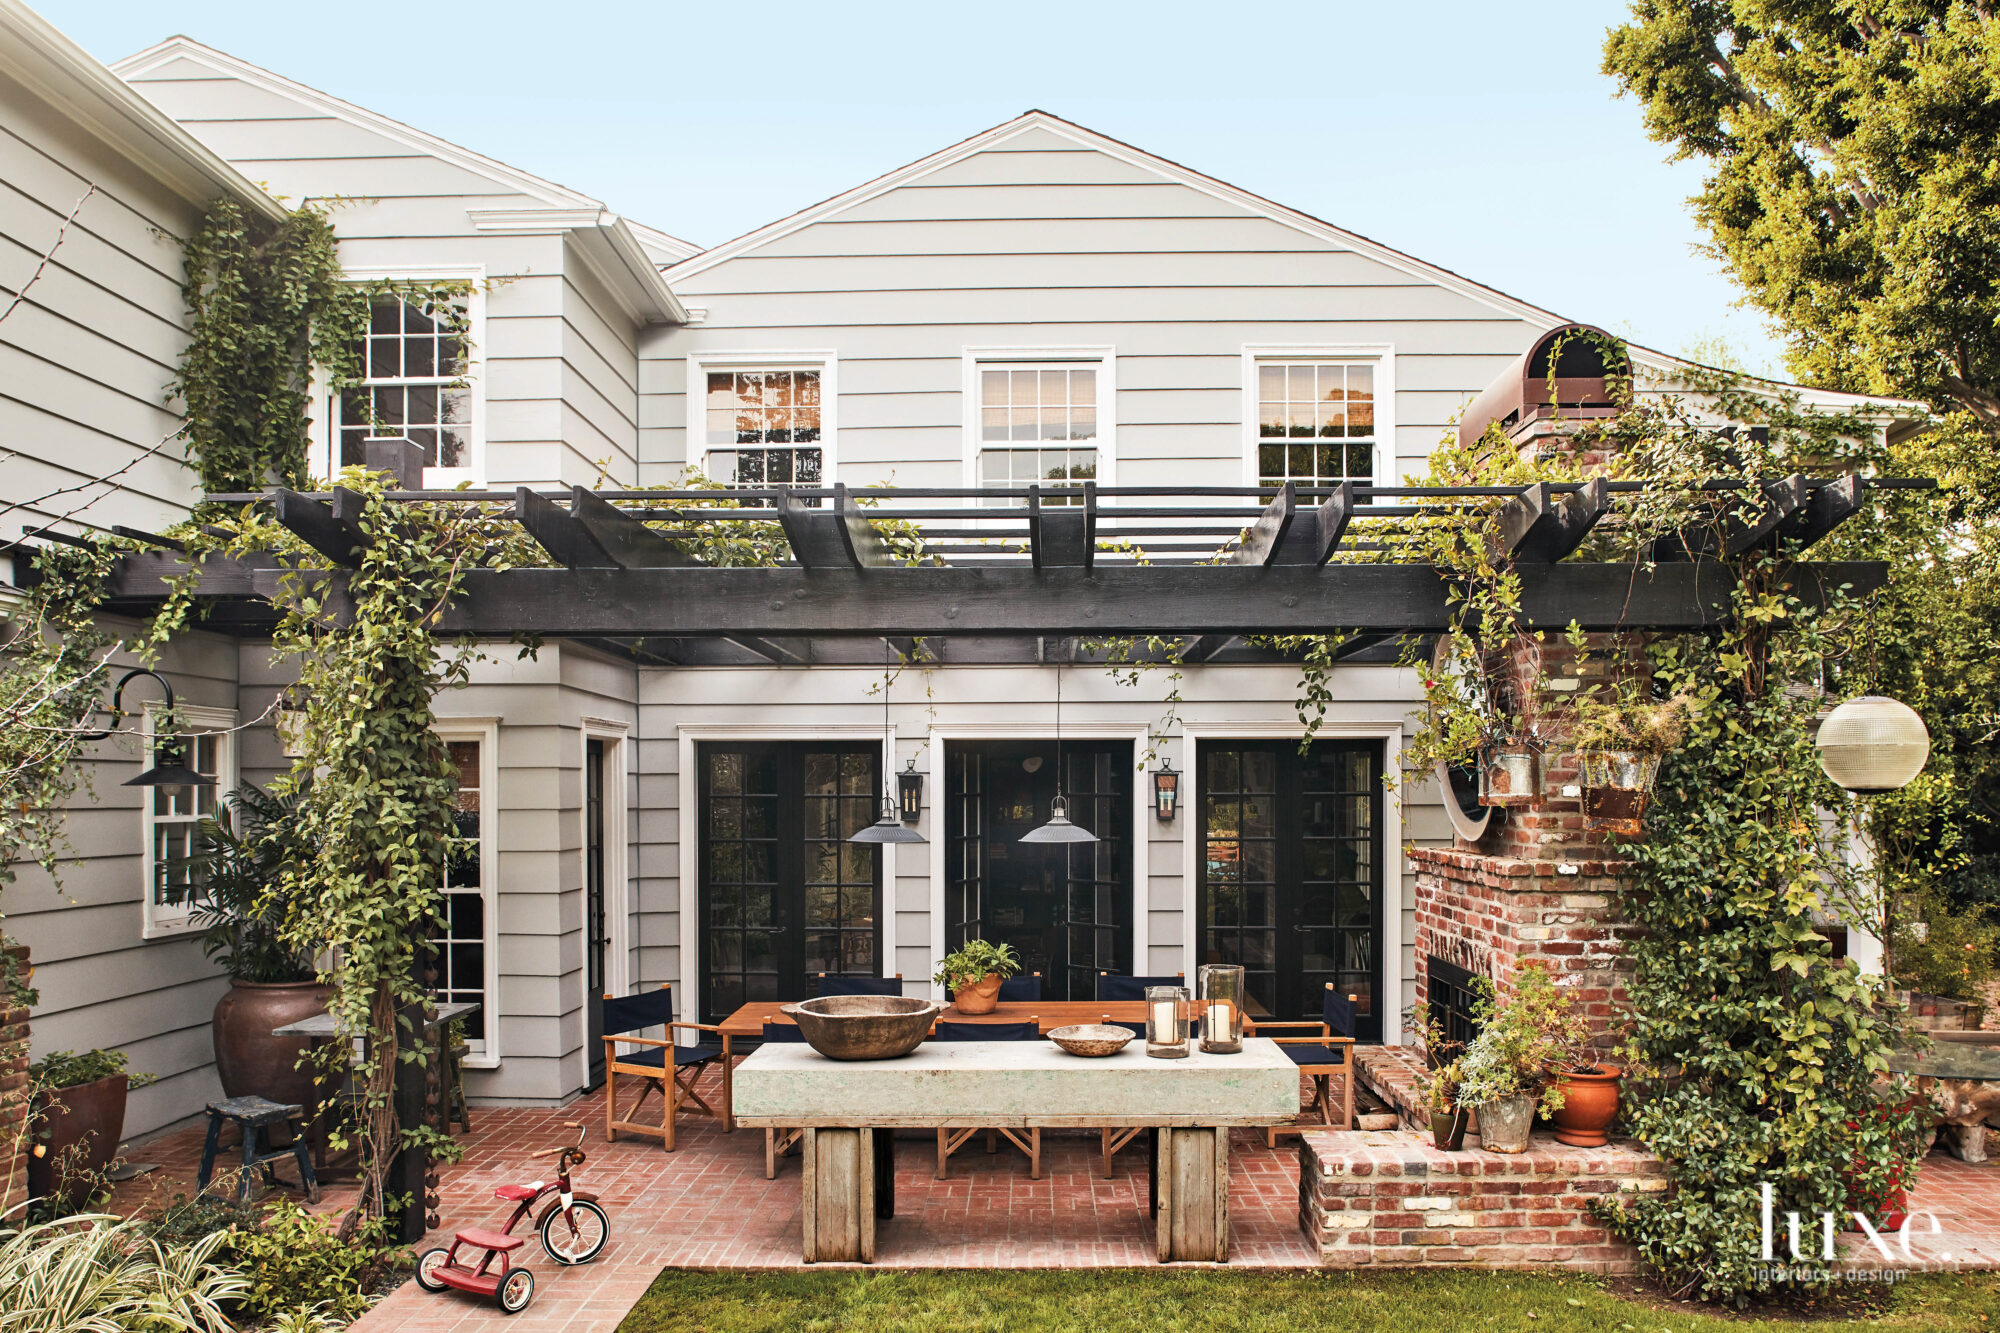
[1872, 745]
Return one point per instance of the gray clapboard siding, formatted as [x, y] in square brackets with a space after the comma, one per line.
[760, 273]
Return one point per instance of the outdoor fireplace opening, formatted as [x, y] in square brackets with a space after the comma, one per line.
[1449, 996]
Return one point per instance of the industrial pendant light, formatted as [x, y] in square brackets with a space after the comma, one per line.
[169, 752]
[889, 828]
[1059, 829]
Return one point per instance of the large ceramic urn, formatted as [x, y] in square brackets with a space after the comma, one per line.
[248, 1059]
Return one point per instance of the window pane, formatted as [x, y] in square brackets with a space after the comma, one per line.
[993, 388]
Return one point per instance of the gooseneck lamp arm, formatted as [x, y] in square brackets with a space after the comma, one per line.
[170, 768]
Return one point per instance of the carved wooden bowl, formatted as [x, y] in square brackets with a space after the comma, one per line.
[1094, 1039]
[864, 1027]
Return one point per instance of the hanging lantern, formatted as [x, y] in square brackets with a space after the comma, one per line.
[910, 792]
[889, 828]
[1872, 745]
[1166, 790]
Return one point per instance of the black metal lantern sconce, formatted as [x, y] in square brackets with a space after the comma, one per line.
[1166, 790]
[170, 767]
[910, 793]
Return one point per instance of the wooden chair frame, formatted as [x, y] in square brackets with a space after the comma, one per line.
[682, 1081]
[1320, 1074]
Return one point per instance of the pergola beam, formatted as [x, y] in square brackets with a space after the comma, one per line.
[778, 652]
[329, 529]
[626, 541]
[1205, 647]
[567, 541]
[1181, 600]
[1538, 528]
[838, 537]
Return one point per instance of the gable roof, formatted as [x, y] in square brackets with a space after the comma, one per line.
[138, 65]
[1138, 157]
[49, 64]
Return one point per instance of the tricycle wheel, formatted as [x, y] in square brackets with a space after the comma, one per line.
[577, 1238]
[516, 1290]
[428, 1264]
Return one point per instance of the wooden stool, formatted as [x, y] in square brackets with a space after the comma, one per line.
[253, 1115]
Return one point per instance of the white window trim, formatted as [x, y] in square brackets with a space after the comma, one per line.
[485, 1053]
[617, 842]
[827, 363]
[688, 986]
[1106, 360]
[1394, 848]
[440, 478]
[1142, 814]
[158, 921]
[1384, 357]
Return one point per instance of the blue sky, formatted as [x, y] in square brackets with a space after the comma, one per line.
[1477, 136]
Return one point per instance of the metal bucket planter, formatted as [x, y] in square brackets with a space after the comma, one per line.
[1510, 776]
[1504, 1123]
[1616, 786]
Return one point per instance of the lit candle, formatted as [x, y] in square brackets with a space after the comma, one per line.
[1165, 1021]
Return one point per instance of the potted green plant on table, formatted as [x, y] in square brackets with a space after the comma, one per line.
[234, 883]
[76, 1111]
[973, 973]
[1618, 744]
[1523, 1039]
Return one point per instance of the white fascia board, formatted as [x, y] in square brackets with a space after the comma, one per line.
[38, 56]
[1899, 415]
[1124, 152]
[658, 242]
[606, 241]
[257, 76]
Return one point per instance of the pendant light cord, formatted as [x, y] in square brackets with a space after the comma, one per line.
[1059, 754]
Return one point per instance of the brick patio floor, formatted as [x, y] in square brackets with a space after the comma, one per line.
[709, 1206]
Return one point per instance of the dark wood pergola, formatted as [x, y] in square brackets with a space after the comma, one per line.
[1023, 574]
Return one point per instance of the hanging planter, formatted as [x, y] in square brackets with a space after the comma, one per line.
[1510, 775]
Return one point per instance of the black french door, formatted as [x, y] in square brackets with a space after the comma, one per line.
[597, 942]
[782, 897]
[1291, 872]
[1066, 908]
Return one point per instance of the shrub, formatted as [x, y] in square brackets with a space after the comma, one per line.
[103, 1273]
[67, 1069]
[1521, 1038]
[297, 1264]
[1945, 952]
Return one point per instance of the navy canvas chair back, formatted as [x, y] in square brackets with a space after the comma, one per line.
[1340, 1013]
[987, 1032]
[1131, 988]
[834, 985]
[1028, 988]
[629, 1013]
[783, 1032]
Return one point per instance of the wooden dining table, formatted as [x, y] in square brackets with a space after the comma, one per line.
[749, 1020]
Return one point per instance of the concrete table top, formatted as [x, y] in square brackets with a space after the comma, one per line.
[1016, 1083]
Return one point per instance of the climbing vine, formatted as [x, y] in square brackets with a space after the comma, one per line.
[268, 305]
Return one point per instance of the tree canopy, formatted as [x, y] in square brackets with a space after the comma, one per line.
[1855, 189]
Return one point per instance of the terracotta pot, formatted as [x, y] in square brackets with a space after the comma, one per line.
[248, 1059]
[1448, 1130]
[1504, 1124]
[1590, 1104]
[981, 997]
[77, 1131]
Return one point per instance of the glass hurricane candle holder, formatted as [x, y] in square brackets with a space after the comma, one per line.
[1221, 1008]
[1167, 1022]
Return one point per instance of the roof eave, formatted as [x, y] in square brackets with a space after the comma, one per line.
[38, 55]
[607, 243]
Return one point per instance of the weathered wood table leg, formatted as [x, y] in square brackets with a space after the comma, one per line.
[1191, 1194]
[838, 1195]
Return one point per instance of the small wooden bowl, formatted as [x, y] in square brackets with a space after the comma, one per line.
[1092, 1039]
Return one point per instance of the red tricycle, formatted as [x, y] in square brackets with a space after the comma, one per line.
[574, 1229]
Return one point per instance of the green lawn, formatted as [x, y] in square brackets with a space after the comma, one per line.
[1105, 1300]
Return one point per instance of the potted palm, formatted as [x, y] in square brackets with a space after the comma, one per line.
[76, 1112]
[974, 972]
[1618, 746]
[1506, 1069]
[235, 883]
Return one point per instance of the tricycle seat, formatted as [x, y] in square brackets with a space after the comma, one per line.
[515, 1193]
[490, 1240]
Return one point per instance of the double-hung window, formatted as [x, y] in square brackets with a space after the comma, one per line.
[170, 816]
[1314, 418]
[1039, 422]
[419, 380]
[764, 426]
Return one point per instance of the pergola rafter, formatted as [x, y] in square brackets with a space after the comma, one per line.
[1045, 569]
